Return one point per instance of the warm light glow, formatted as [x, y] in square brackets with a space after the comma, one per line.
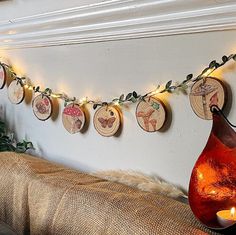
[55, 95]
[208, 72]
[7, 40]
[156, 91]
[232, 211]
[84, 100]
[200, 176]
[11, 32]
[116, 103]
[213, 192]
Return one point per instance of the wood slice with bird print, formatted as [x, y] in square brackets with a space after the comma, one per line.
[16, 92]
[42, 107]
[73, 118]
[205, 93]
[107, 120]
[151, 114]
[2, 76]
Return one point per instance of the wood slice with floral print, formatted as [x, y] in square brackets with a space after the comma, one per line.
[205, 93]
[107, 120]
[73, 118]
[42, 107]
[16, 92]
[2, 76]
[151, 114]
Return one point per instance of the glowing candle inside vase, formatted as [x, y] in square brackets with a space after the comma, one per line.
[226, 218]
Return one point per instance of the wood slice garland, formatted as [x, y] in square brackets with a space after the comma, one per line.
[2, 76]
[205, 93]
[16, 92]
[151, 114]
[107, 120]
[73, 118]
[42, 107]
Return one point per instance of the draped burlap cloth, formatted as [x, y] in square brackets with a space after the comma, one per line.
[39, 197]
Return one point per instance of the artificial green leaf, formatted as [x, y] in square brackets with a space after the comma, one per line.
[122, 97]
[189, 77]
[168, 84]
[184, 86]
[224, 58]
[135, 95]
[128, 96]
[212, 64]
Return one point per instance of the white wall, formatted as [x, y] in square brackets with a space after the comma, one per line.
[106, 70]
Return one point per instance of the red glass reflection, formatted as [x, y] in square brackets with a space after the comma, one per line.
[213, 181]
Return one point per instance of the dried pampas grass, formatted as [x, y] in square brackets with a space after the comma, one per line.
[141, 181]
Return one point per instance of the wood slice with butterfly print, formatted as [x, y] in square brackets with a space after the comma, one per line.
[107, 120]
[42, 107]
[151, 114]
[73, 118]
[2, 76]
[205, 93]
[16, 92]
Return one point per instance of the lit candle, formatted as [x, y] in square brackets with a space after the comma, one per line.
[226, 218]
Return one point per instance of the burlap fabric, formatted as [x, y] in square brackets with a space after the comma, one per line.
[38, 197]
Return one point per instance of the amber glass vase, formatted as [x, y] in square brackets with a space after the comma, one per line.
[212, 185]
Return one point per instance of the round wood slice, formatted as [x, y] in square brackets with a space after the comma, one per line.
[16, 92]
[205, 93]
[2, 76]
[107, 120]
[73, 118]
[42, 107]
[151, 114]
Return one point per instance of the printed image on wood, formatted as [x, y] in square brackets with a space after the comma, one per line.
[151, 114]
[73, 118]
[2, 76]
[107, 121]
[16, 92]
[42, 107]
[204, 94]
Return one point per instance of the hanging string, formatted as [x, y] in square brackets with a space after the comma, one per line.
[216, 109]
[131, 97]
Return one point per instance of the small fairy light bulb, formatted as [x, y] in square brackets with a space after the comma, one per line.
[84, 100]
[116, 102]
[207, 73]
[26, 86]
[30, 87]
[55, 95]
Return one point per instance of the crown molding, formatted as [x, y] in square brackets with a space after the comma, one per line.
[117, 20]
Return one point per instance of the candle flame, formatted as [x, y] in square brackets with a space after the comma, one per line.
[232, 211]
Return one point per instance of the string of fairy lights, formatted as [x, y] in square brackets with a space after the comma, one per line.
[105, 120]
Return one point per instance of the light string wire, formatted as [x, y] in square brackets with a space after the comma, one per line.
[131, 97]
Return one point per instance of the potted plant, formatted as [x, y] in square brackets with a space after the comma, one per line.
[8, 143]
